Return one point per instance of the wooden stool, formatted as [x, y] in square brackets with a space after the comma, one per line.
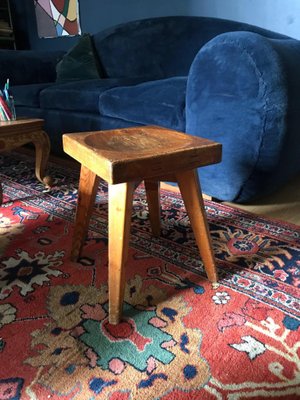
[124, 157]
[15, 134]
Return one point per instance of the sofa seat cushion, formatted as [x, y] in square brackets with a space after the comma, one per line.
[81, 95]
[160, 102]
[28, 95]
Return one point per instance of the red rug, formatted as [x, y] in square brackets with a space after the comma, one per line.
[180, 339]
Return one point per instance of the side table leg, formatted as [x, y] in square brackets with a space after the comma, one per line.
[190, 189]
[153, 199]
[87, 190]
[42, 150]
[120, 198]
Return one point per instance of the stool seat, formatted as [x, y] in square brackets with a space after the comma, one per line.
[124, 157]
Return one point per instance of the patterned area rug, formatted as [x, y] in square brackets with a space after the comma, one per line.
[179, 339]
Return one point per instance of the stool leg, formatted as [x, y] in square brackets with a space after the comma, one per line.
[153, 199]
[190, 189]
[120, 198]
[42, 151]
[88, 184]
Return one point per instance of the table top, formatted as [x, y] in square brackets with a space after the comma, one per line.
[20, 125]
[120, 155]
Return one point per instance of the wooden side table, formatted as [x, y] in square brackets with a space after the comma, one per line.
[17, 133]
[124, 157]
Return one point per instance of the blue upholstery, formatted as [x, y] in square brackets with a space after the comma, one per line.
[82, 95]
[160, 102]
[256, 103]
[228, 81]
[29, 95]
[28, 66]
[161, 47]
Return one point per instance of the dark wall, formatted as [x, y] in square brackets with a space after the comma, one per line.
[19, 17]
[95, 15]
[278, 15]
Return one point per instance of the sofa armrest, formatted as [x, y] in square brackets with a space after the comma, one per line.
[28, 66]
[242, 91]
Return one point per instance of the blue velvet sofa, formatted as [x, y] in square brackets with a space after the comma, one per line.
[227, 81]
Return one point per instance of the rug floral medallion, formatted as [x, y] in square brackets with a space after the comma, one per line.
[179, 338]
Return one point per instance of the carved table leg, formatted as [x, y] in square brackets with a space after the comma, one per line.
[191, 193]
[120, 198]
[87, 190]
[42, 149]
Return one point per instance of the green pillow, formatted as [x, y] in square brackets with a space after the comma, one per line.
[80, 62]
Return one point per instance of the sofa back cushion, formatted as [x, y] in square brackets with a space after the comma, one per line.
[160, 47]
[23, 67]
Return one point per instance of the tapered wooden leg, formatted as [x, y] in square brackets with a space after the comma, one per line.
[120, 198]
[42, 151]
[191, 193]
[153, 199]
[87, 190]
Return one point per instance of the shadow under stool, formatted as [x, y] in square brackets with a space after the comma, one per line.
[123, 158]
